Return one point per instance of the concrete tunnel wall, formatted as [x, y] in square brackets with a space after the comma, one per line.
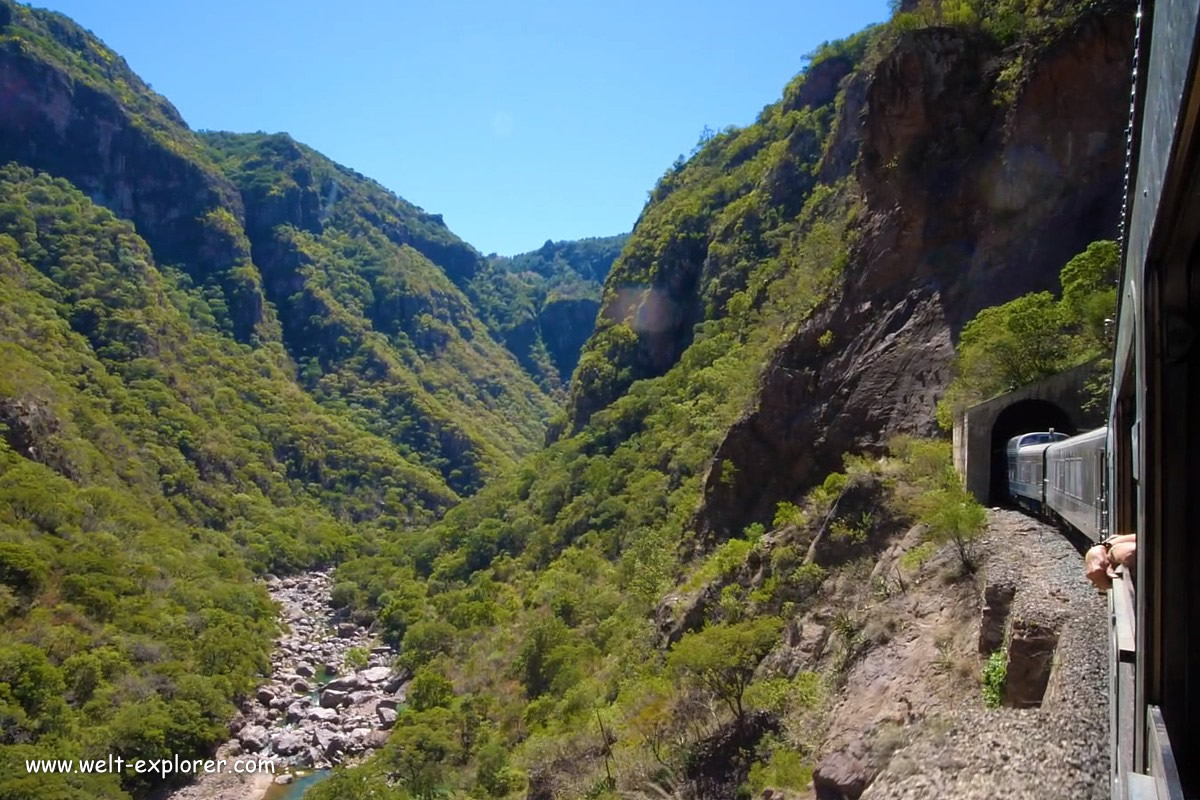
[974, 428]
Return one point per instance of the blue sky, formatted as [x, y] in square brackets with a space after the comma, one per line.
[518, 121]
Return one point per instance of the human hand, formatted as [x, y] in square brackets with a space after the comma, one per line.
[1096, 567]
[1122, 554]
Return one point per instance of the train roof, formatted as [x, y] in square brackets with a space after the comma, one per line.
[1035, 437]
[1083, 438]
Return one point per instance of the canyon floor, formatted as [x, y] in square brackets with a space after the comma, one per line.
[331, 697]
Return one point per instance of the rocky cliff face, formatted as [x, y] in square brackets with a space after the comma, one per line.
[371, 301]
[72, 108]
[543, 303]
[970, 202]
[565, 323]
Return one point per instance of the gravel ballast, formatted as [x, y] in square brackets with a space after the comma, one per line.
[1059, 750]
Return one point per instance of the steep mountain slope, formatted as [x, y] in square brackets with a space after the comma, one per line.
[147, 465]
[373, 324]
[980, 180]
[980, 168]
[543, 303]
[222, 355]
[789, 295]
[276, 236]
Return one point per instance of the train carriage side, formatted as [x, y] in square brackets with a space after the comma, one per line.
[1025, 480]
[1075, 472]
[1025, 467]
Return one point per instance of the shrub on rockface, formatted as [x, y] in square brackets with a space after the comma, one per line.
[995, 671]
[1034, 336]
[1006, 21]
[950, 513]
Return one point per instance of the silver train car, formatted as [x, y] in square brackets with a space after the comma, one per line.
[1074, 482]
[1026, 467]
[1062, 478]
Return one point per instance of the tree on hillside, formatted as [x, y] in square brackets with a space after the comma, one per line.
[949, 512]
[722, 658]
[1014, 344]
[417, 750]
[1035, 336]
[1089, 291]
[430, 689]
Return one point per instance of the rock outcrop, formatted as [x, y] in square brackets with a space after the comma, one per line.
[993, 619]
[844, 775]
[1030, 659]
[967, 206]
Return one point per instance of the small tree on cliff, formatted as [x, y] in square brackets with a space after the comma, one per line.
[722, 658]
[949, 512]
[954, 516]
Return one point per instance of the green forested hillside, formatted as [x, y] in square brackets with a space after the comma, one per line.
[543, 303]
[224, 355]
[364, 291]
[558, 602]
[375, 327]
[147, 465]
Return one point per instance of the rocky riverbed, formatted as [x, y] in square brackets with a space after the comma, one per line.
[316, 710]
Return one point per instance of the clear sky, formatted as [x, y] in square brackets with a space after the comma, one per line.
[518, 121]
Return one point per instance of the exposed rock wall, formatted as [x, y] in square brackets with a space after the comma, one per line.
[967, 205]
[136, 158]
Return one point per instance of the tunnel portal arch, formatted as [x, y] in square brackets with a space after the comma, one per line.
[981, 431]
[1023, 416]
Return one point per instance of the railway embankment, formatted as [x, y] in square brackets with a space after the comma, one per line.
[1048, 735]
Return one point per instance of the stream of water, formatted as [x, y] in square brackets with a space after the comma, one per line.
[296, 789]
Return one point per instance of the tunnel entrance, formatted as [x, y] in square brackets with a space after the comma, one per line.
[1023, 416]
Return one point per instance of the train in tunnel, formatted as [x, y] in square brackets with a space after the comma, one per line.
[1062, 478]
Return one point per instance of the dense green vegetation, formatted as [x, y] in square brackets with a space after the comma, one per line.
[146, 466]
[529, 665]
[1008, 21]
[308, 370]
[569, 263]
[542, 304]
[377, 304]
[376, 328]
[722, 658]
[995, 671]
[1035, 336]
[292, 369]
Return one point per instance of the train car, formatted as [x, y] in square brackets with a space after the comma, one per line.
[1154, 439]
[1074, 480]
[1025, 466]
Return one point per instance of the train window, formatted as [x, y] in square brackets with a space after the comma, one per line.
[1135, 450]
